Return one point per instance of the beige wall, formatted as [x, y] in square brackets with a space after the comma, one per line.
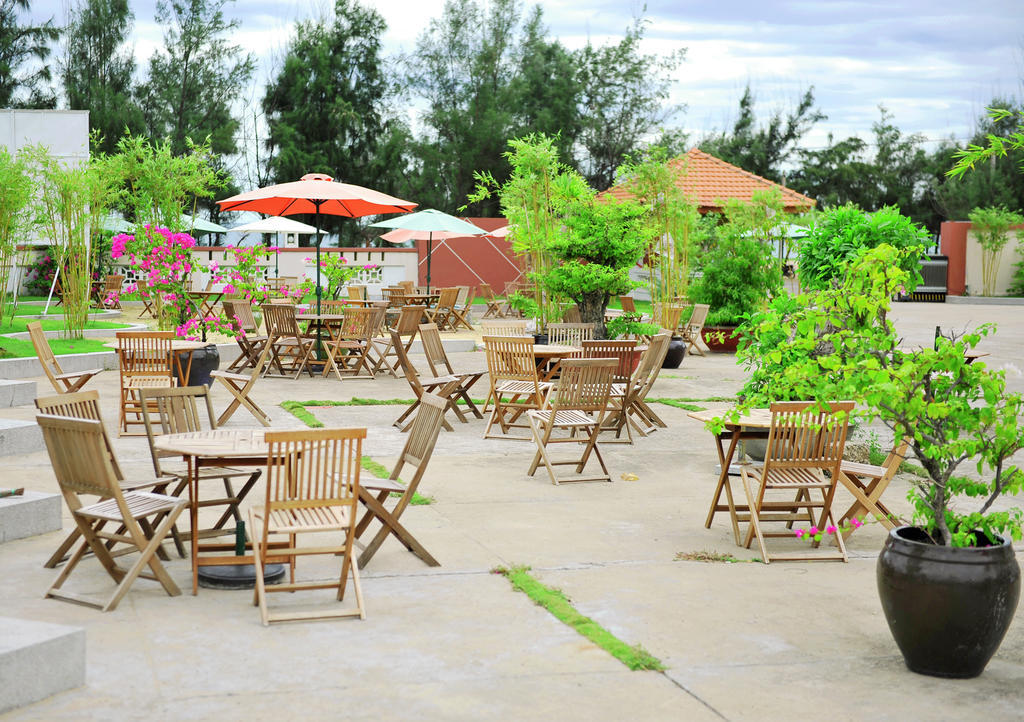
[972, 264]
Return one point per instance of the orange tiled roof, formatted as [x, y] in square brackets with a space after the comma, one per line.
[709, 181]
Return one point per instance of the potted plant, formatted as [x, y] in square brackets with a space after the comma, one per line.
[949, 584]
[630, 325]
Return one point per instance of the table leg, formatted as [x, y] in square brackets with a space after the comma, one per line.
[725, 459]
[193, 512]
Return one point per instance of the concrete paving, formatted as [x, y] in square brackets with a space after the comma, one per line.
[740, 640]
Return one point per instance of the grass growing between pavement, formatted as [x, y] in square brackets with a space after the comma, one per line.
[555, 601]
[709, 556]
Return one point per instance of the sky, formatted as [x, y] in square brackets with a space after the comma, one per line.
[934, 64]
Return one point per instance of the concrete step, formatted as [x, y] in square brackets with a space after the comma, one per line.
[34, 512]
[38, 659]
[16, 393]
[19, 437]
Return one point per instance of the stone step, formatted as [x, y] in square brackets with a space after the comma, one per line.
[38, 659]
[16, 393]
[34, 512]
[19, 437]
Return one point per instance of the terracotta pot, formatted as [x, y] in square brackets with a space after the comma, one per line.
[947, 607]
[721, 339]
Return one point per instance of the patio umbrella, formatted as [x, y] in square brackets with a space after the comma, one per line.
[316, 193]
[428, 224]
[277, 225]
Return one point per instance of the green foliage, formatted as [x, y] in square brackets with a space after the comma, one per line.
[992, 229]
[555, 601]
[995, 145]
[195, 77]
[15, 202]
[842, 233]
[24, 52]
[97, 67]
[629, 324]
[525, 305]
[838, 343]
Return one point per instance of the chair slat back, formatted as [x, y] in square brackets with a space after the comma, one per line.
[241, 311]
[700, 315]
[44, 352]
[79, 405]
[804, 437]
[313, 467]
[433, 349]
[407, 368]
[423, 434]
[179, 409]
[145, 352]
[409, 320]
[112, 284]
[570, 334]
[357, 293]
[407, 287]
[393, 295]
[572, 314]
[447, 297]
[510, 358]
[584, 384]
[280, 320]
[80, 457]
[462, 295]
[628, 306]
[504, 328]
[485, 290]
[650, 363]
[620, 350]
[359, 323]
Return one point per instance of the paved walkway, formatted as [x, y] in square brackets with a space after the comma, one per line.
[740, 640]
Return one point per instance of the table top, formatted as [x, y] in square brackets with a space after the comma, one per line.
[319, 317]
[754, 418]
[218, 443]
[555, 349]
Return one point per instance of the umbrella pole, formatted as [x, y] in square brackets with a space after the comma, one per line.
[319, 342]
[430, 243]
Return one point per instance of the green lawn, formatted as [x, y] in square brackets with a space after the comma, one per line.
[17, 348]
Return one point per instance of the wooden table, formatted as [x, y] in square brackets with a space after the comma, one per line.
[752, 425]
[216, 447]
[420, 299]
[206, 300]
[549, 357]
[179, 348]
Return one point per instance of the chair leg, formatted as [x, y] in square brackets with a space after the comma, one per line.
[755, 527]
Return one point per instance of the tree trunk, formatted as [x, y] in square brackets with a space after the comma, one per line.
[592, 307]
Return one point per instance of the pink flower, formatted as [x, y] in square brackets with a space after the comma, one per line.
[830, 529]
[800, 533]
[813, 530]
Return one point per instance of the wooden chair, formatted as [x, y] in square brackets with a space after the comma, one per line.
[356, 293]
[437, 359]
[867, 483]
[146, 362]
[393, 296]
[641, 383]
[407, 327]
[463, 308]
[493, 309]
[446, 387]
[624, 353]
[349, 350]
[109, 294]
[83, 464]
[441, 312]
[572, 314]
[250, 342]
[628, 306]
[290, 348]
[803, 445]
[86, 405]
[690, 330]
[373, 493]
[62, 382]
[408, 287]
[670, 316]
[240, 387]
[178, 411]
[570, 334]
[312, 488]
[515, 386]
[150, 301]
[578, 405]
[510, 327]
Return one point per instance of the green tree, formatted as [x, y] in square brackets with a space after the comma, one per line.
[327, 108]
[623, 95]
[97, 68]
[763, 149]
[197, 76]
[992, 226]
[834, 175]
[15, 218]
[24, 51]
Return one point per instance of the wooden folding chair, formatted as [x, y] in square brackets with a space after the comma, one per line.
[463, 308]
[444, 386]
[493, 309]
[248, 338]
[373, 493]
[571, 314]
[515, 385]
[109, 294]
[578, 404]
[356, 293]
[61, 382]
[240, 387]
[570, 334]
[150, 301]
[178, 411]
[867, 483]
[86, 405]
[627, 304]
[441, 313]
[641, 383]
[312, 488]
[408, 287]
[437, 360]
[510, 327]
[406, 327]
[803, 444]
[83, 464]
[624, 353]
[290, 348]
[145, 361]
[690, 330]
[349, 351]
[670, 316]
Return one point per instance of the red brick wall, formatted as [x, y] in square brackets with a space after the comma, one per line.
[470, 260]
[953, 244]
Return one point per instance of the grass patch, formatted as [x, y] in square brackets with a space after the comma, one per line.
[677, 404]
[709, 556]
[23, 348]
[381, 472]
[555, 601]
[19, 324]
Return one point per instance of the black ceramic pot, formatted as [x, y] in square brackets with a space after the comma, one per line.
[541, 339]
[676, 352]
[947, 608]
[204, 361]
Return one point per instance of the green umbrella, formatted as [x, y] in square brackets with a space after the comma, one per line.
[431, 222]
[201, 226]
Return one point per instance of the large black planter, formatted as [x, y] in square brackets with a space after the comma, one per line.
[676, 352]
[947, 608]
[204, 361]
